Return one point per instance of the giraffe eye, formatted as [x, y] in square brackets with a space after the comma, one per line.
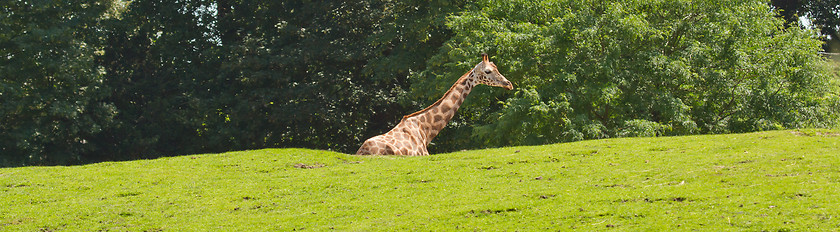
[487, 71]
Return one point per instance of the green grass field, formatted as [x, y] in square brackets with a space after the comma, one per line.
[767, 181]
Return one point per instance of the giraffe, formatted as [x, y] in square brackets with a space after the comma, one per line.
[415, 131]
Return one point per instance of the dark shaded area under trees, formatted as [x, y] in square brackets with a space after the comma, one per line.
[100, 80]
[824, 14]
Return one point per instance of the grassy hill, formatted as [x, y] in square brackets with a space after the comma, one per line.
[768, 181]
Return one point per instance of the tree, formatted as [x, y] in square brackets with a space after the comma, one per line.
[115, 80]
[51, 93]
[597, 69]
[823, 14]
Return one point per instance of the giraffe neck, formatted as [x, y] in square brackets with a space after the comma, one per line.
[435, 117]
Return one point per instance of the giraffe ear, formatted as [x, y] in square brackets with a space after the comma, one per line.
[484, 57]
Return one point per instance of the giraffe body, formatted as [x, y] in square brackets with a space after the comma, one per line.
[414, 133]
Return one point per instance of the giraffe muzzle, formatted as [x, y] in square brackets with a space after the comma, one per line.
[508, 85]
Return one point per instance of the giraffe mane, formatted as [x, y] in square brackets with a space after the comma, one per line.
[441, 98]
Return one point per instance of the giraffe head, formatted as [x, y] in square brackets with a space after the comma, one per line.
[487, 73]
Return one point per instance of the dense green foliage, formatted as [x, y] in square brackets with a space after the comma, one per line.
[51, 91]
[765, 181]
[114, 80]
[597, 69]
[148, 78]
